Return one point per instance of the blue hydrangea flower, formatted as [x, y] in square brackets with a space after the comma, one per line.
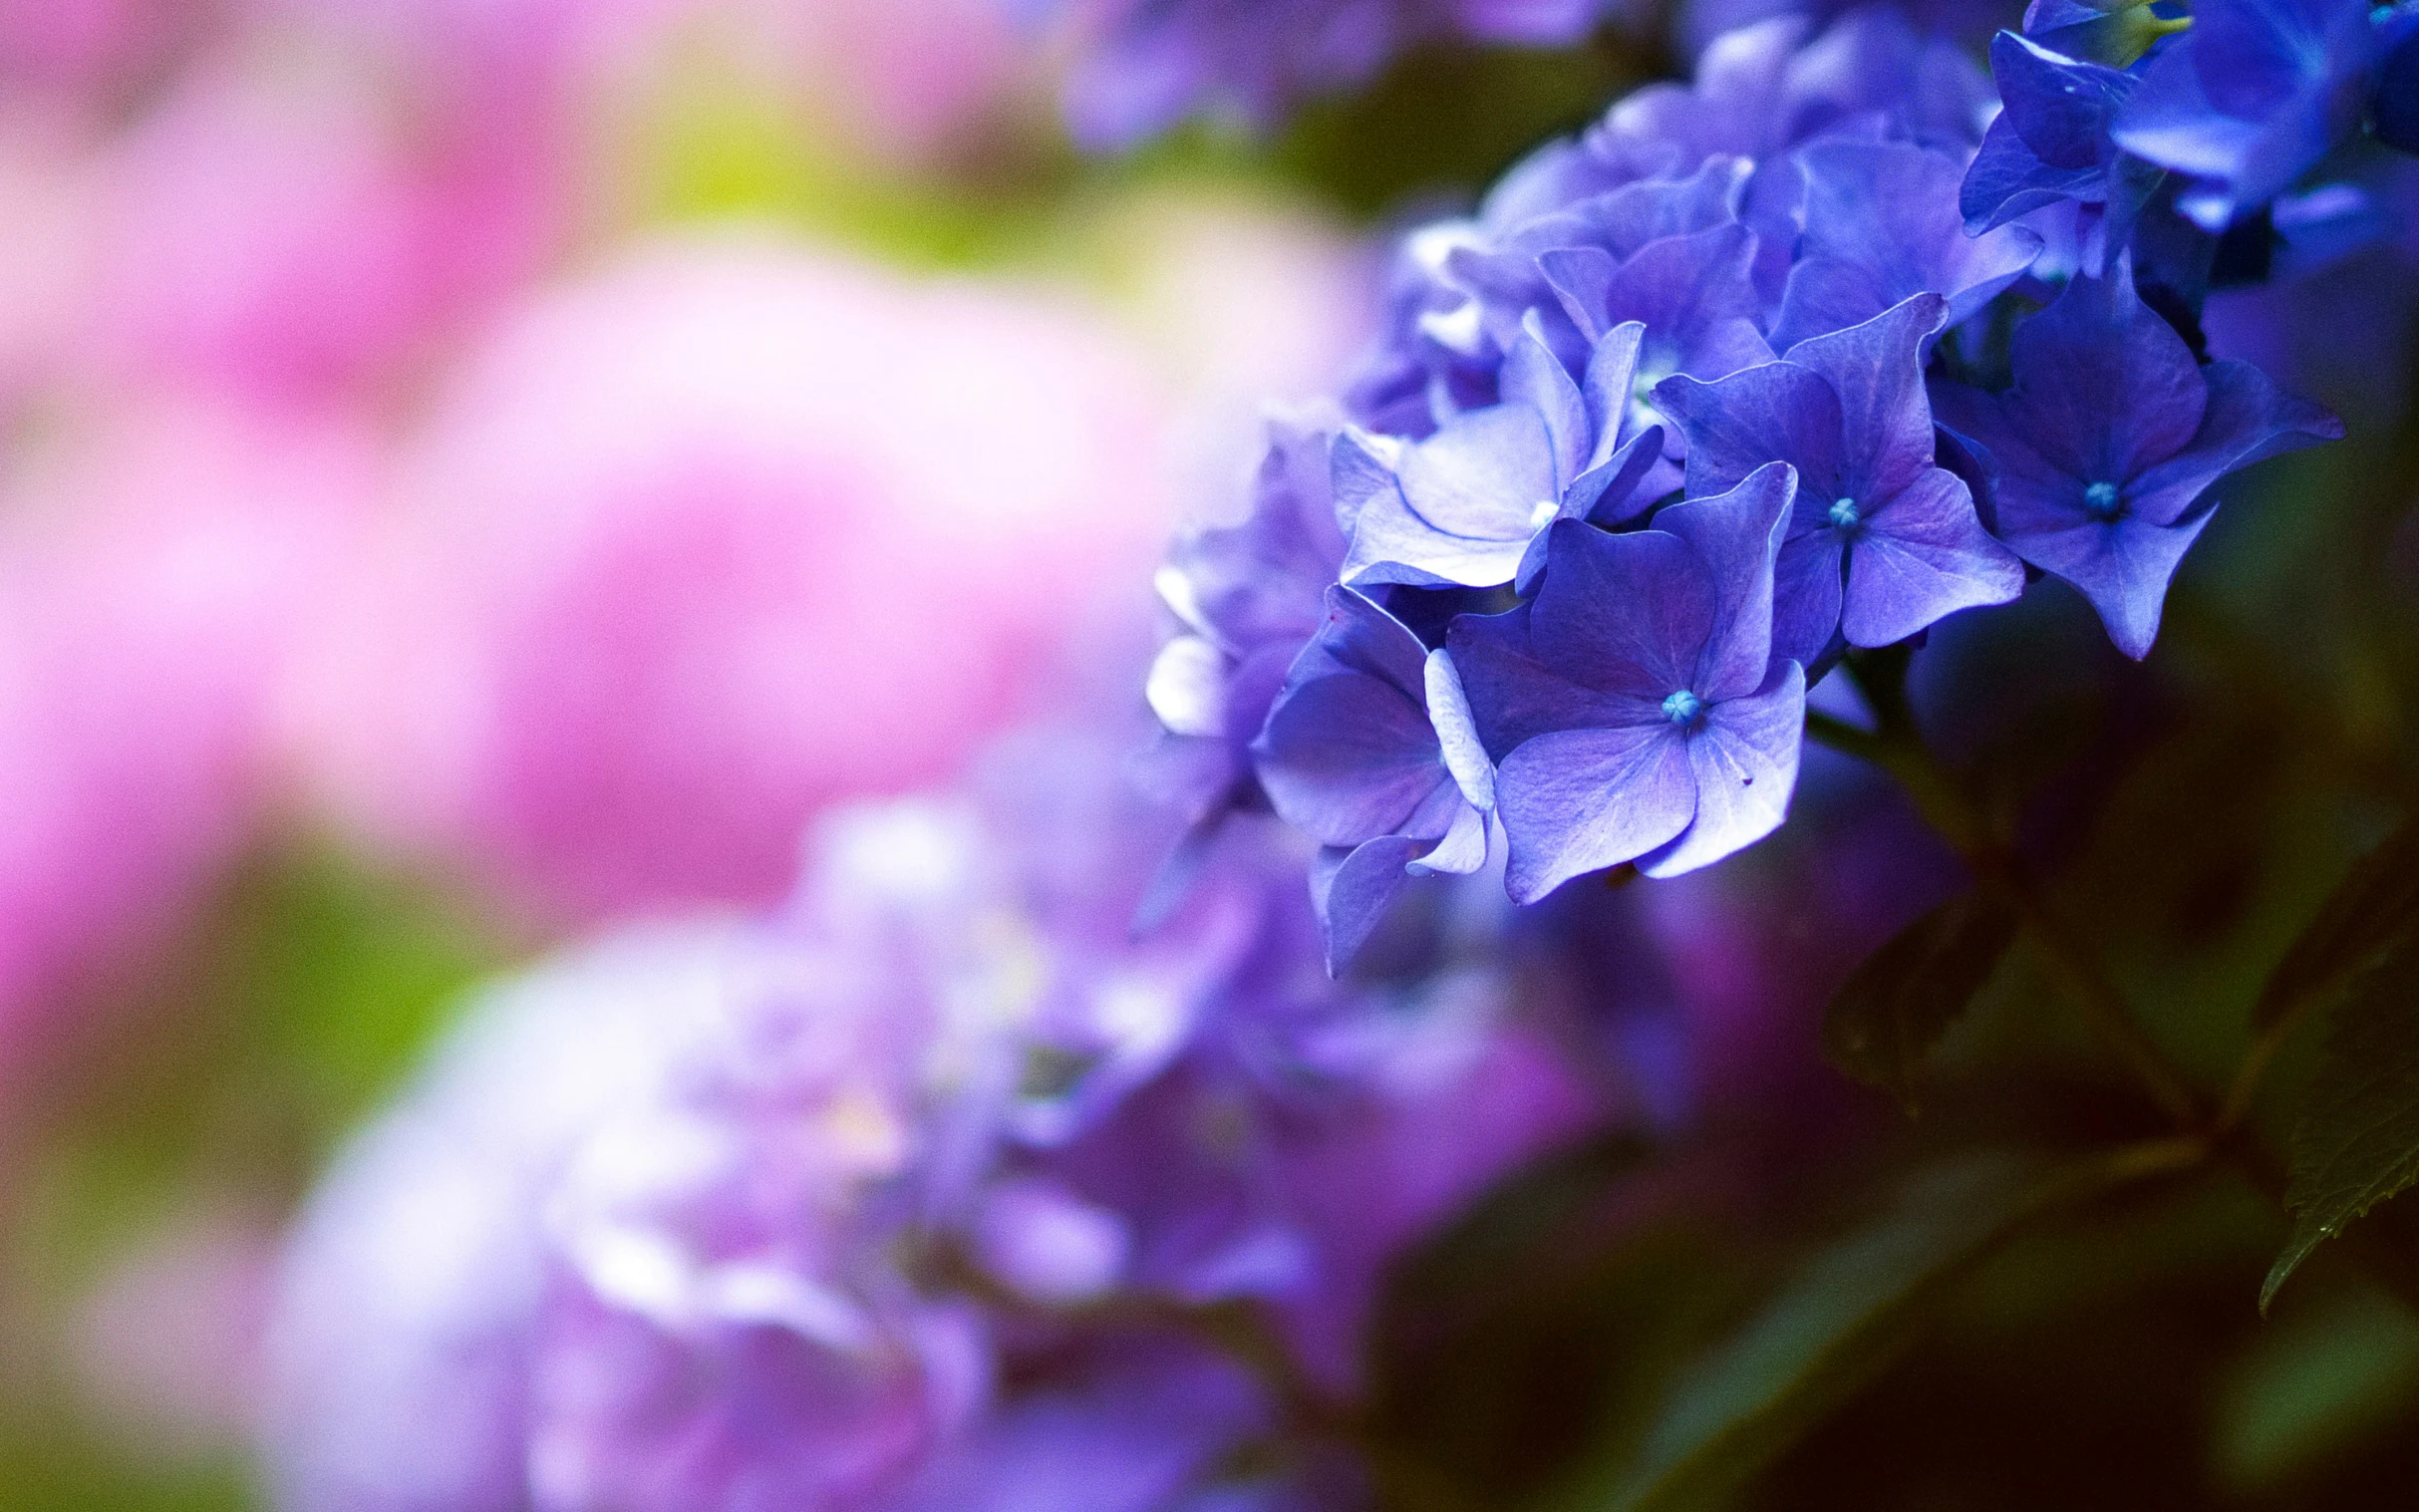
[1369, 751]
[2252, 97]
[1883, 225]
[1469, 505]
[2105, 446]
[1881, 542]
[1634, 708]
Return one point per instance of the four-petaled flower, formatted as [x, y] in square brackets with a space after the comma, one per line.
[1634, 706]
[2110, 436]
[1881, 541]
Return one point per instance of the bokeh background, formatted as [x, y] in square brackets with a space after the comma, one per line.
[476, 473]
[459, 468]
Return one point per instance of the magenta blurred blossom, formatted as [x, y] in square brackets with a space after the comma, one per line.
[641, 611]
[318, 244]
[154, 570]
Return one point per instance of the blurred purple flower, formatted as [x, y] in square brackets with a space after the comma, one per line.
[1147, 64]
[2250, 97]
[1248, 597]
[2108, 441]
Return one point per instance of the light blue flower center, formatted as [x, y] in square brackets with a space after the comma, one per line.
[1683, 707]
[2100, 502]
[1844, 513]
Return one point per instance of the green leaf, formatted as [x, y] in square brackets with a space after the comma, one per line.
[2374, 906]
[1886, 1019]
[1844, 1317]
[2357, 1142]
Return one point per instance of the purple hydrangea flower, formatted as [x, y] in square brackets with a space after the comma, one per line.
[2250, 97]
[1151, 63]
[1248, 596]
[1883, 225]
[2105, 446]
[1881, 542]
[1712, 160]
[1634, 708]
[1369, 751]
[1469, 505]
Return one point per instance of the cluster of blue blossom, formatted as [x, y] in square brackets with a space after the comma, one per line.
[934, 1191]
[1796, 359]
[1147, 64]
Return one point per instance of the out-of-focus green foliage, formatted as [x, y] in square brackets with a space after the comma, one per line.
[291, 1009]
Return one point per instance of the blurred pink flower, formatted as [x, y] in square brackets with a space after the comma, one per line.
[727, 532]
[273, 230]
[151, 572]
[905, 80]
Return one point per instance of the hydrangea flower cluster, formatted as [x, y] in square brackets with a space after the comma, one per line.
[1794, 359]
[1147, 64]
[933, 1191]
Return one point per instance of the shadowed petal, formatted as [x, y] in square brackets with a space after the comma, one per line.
[1734, 537]
[1349, 753]
[1513, 694]
[1778, 412]
[1626, 613]
[1875, 370]
[1883, 225]
[1921, 556]
[1806, 595]
[1350, 890]
[2123, 568]
[2247, 419]
[2104, 387]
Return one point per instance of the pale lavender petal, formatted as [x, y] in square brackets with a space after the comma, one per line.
[1482, 477]
[1462, 851]
[1465, 756]
[1610, 386]
[1534, 377]
[1579, 801]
